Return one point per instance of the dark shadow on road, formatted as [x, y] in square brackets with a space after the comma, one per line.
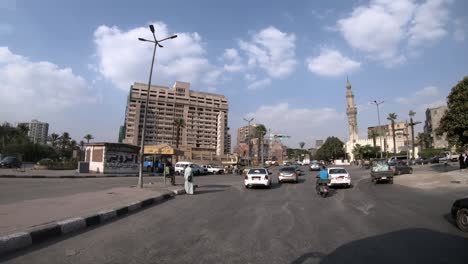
[448, 217]
[442, 167]
[214, 186]
[197, 192]
[415, 245]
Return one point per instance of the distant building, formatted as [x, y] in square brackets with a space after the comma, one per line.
[227, 143]
[37, 131]
[318, 143]
[121, 133]
[402, 130]
[205, 116]
[433, 117]
[243, 133]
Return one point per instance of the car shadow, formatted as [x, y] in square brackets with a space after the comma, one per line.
[208, 191]
[448, 217]
[414, 245]
[442, 167]
[214, 186]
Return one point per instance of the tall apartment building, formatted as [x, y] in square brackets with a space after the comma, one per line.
[243, 132]
[433, 117]
[37, 131]
[205, 116]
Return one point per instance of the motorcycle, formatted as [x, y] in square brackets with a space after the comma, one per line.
[322, 188]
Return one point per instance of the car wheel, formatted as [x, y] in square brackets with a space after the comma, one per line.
[462, 219]
[349, 186]
[411, 171]
[390, 181]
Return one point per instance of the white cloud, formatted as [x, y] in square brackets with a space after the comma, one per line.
[418, 96]
[383, 28]
[271, 50]
[282, 118]
[124, 60]
[331, 63]
[235, 61]
[429, 22]
[259, 84]
[459, 33]
[250, 77]
[40, 87]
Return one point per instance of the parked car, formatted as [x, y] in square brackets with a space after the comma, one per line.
[198, 170]
[421, 161]
[400, 168]
[180, 166]
[44, 161]
[339, 177]
[315, 166]
[288, 173]
[10, 162]
[213, 169]
[257, 177]
[434, 159]
[460, 213]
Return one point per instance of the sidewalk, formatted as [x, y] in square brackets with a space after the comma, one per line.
[32, 221]
[434, 179]
[30, 173]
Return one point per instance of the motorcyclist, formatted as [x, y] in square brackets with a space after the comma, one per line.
[323, 176]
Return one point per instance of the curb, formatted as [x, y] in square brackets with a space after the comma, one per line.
[37, 235]
[71, 176]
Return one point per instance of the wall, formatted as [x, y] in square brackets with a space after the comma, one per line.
[120, 160]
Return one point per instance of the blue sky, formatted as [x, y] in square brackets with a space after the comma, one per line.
[71, 63]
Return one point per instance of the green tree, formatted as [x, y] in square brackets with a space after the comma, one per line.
[179, 123]
[88, 137]
[53, 139]
[82, 145]
[357, 151]
[423, 140]
[331, 149]
[455, 120]
[392, 117]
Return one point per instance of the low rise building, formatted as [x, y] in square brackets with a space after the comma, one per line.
[433, 117]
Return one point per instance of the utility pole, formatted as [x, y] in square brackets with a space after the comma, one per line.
[412, 124]
[380, 129]
[248, 138]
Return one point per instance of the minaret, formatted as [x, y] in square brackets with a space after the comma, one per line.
[351, 111]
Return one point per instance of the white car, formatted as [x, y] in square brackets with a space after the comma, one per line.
[338, 176]
[288, 173]
[257, 177]
[315, 167]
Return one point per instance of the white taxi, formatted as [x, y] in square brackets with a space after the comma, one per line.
[338, 176]
[257, 177]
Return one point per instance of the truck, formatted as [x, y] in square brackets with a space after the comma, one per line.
[213, 169]
[447, 156]
[380, 171]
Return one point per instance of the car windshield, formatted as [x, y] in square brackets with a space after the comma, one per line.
[257, 171]
[336, 171]
[287, 169]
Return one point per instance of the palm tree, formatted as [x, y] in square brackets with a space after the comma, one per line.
[64, 140]
[260, 131]
[301, 144]
[357, 151]
[392, 117]
[179, 122]
[88, 137]
[53, 139]
[411, 114]
[373, 134]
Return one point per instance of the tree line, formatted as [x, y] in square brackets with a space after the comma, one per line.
[14, 141]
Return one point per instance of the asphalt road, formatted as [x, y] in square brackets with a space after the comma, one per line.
[15, 190]
[226, 223]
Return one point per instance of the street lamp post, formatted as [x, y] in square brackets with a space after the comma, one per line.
[248, 137]
[143, 131]
[380, 132]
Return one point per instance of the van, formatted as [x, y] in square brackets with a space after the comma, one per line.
[180, 166]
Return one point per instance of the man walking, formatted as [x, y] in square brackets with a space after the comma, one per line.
[188, 176]
[461, 161]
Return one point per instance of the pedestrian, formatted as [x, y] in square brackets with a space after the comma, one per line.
[461, 161]
[188, 176]
[465, 160]
[171, 173]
